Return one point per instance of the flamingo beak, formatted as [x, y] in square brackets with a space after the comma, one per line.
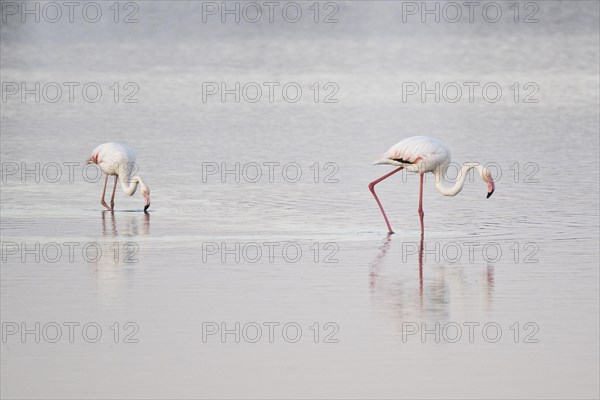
[147, 202]
[491, 187]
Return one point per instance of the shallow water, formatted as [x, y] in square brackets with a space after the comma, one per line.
[215, 251]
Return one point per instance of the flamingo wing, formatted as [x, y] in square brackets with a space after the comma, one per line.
[420, 149]
[113, 157]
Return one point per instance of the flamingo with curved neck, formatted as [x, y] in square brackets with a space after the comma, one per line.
[118, 159]
[422, 154]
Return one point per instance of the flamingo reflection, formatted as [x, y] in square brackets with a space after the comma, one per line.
[129, 224]
[121, 256]
[447, 287]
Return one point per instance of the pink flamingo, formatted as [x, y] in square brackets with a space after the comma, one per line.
[423, 154]
[119, 159]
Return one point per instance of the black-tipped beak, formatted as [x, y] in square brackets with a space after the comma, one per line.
[146, 201]
[490, 193]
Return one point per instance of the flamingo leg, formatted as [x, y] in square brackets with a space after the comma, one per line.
[372, 189]
[421, 213]
[112, 198]
[421, 269]
[103, 194]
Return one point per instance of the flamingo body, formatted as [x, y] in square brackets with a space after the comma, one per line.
[113, 158]
[417, 154]
[118, 160]
[422, 154]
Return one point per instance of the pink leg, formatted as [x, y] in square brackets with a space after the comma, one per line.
[421, 213]
[421, 269]
[112, 199]
[372, 189]
[104, 194]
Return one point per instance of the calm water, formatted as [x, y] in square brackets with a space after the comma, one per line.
[526, 256]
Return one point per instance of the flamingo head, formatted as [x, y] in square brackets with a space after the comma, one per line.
[145, 190]
[486, 175]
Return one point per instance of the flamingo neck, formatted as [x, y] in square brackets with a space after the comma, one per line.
[457, 187]
[129, 185]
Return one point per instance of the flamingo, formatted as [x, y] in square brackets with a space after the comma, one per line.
[424, 154]
[118, 159]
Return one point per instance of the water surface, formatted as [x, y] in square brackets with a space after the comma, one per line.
[543, 216]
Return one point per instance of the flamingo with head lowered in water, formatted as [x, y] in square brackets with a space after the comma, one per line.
[424, 154]
[119, 160]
